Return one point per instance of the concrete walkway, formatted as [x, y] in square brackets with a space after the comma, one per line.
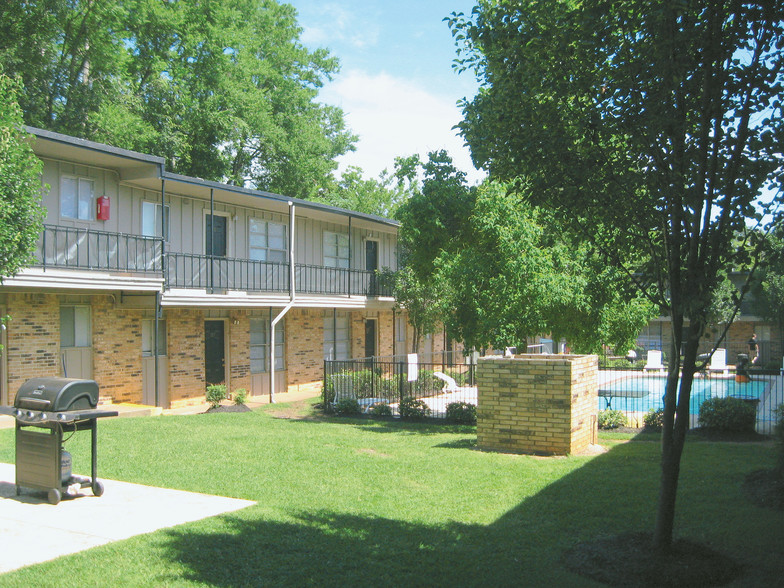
[34, 531]
[136, 410]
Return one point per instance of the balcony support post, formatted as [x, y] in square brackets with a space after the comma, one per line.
[212, 239]
[292, 296]
[163, 230]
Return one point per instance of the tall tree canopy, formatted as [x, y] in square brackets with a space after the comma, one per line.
[20, 185]
[223, 89]
[498, 271]
[655, 131]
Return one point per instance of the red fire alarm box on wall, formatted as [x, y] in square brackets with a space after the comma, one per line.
[103, 208]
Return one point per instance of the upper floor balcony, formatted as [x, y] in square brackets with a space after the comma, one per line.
[117, 253]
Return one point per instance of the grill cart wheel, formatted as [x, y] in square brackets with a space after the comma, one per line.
[97, 488]
[54, 496]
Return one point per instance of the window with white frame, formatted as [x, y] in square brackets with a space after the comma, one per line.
[267, 241]
[336, 249]
[260, 346]
[400, 332]
[337, 340]
[148, 337]
[77, 198]
[75, 326]
[151, 220]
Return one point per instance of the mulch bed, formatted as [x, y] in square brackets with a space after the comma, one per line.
[229, 408]
[629, 560]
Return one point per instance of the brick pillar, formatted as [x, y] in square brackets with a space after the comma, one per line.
[117, 350]
[187, 383]
[541, 404]
[304, 350]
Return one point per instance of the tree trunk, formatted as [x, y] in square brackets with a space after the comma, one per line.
[676, 423]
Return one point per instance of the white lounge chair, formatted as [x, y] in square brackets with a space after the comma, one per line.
[654, 361]
[719, 362]
[450, 384]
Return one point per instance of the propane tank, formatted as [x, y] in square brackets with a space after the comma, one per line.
[65, 466]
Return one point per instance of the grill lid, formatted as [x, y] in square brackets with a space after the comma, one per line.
[57, 394]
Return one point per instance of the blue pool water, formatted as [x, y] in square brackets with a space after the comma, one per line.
[641, 393]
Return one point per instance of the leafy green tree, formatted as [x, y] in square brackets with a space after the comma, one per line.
[436, 215]
[769, 289]
[652, 131]
[353, 191]
[20, 186]
[513, 275]
[223, 89]
[420, 299]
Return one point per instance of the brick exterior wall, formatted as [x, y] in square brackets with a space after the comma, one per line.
[357, 328]
[117, 350]
[186, 357]
[33, 339]
[239, 351]
[386, 330]
[540, 404]
[34, 347]
[305, 350]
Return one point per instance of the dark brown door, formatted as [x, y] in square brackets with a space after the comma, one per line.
[214, 352]
[370, 337]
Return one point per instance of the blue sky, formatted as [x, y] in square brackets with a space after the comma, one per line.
[396, 85]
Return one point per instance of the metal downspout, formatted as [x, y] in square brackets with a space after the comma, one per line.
[158, 294]
[292, 296]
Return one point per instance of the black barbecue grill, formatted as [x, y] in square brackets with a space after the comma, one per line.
[58, 405]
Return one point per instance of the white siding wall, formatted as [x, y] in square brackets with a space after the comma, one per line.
[187, 217]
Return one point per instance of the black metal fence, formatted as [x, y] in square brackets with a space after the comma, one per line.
[389, 381]
[442, 379]
[636, 392]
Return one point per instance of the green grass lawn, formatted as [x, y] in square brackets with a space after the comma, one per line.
[356, 502]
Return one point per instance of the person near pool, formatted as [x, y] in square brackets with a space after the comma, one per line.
[753, 349]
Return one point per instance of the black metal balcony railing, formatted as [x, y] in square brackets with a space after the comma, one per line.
[76, 248]
[185, 270]
[69, 247]
[316, 279]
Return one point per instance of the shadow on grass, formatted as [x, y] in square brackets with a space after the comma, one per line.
[610, 494]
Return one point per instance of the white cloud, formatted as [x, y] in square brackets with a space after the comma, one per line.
[339, 25]
[394, 117]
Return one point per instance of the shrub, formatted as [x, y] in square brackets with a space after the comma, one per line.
[215, 394]
[611, 419]
[381, 409]
[461, 412]
[654, 420]
[728, 414]
[411, 408]
[240, 396]
[347, 406]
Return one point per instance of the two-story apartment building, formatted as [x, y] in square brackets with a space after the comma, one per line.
[156, 284]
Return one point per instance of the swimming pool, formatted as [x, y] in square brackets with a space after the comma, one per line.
[632, 393]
